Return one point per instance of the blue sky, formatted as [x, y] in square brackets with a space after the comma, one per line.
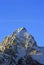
[22, 13]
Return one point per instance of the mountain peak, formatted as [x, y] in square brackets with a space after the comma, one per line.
[21, 29]
[18, 46]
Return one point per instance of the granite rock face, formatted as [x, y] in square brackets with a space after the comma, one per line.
[20, 48]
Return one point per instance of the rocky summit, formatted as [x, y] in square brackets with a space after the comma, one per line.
[20, 48]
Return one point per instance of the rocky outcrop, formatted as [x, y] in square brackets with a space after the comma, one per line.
[20, 48]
